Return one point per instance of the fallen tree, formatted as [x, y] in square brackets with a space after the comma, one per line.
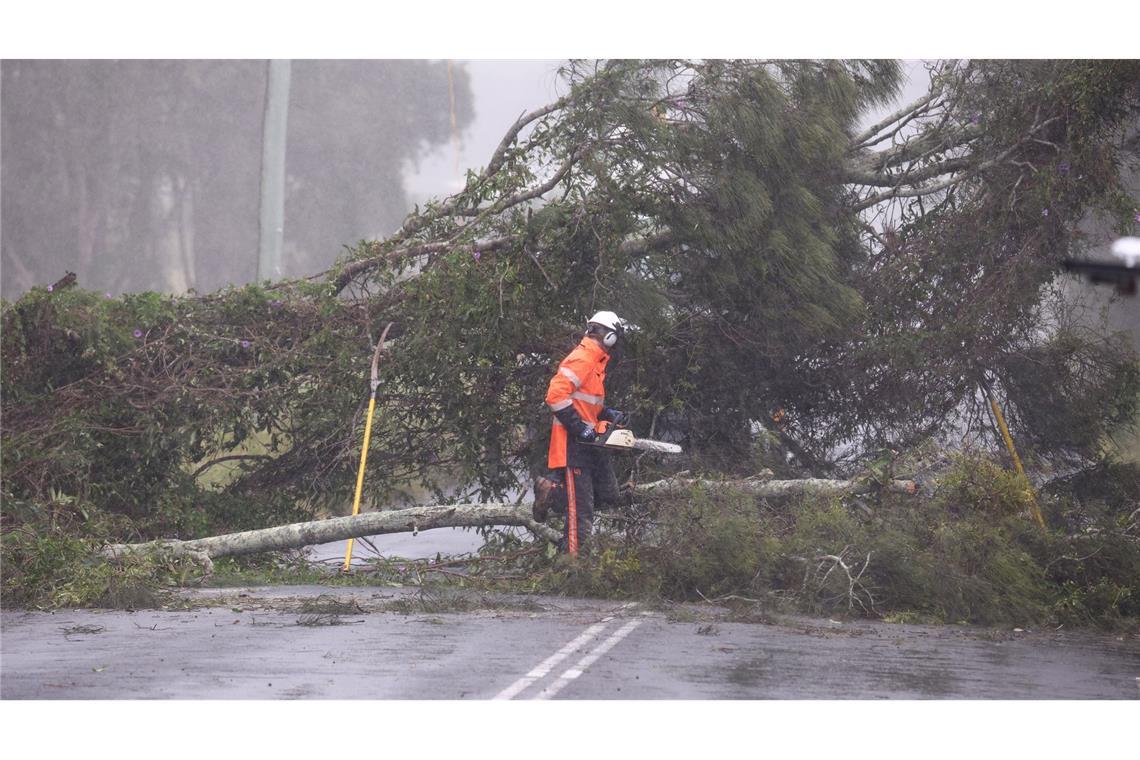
[415, 519]
[299, 535]
[779, 488]
[722, 206]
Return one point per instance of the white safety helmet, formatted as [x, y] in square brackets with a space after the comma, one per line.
[1127, 248]
[613, 324]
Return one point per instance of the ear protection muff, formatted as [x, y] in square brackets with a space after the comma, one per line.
[610, 339]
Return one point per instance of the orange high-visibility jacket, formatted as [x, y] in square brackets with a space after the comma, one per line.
[580, 381]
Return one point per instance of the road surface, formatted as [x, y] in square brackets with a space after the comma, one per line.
[312, 642]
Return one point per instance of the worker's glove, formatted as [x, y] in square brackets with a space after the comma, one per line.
[618, 418]
[575, 425]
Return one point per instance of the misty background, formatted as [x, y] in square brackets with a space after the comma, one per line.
[146, 175]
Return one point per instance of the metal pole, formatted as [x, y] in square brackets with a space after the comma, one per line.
[272, 216]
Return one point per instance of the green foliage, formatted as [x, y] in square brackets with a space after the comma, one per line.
[977, 483]
[1111, 483]
[53, 569]
[125, 403]
[971, 554]
[1104, 602]
[1072, 388]
[986, 577]
[709, 545]
[605, 569]
[275, 568]
[960, 285]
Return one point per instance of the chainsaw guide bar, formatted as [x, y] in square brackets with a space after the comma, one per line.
[624, 440]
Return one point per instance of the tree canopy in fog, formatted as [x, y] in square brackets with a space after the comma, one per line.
[861, 285]
[144, 175]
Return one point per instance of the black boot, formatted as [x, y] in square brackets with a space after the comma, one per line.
[543, 494]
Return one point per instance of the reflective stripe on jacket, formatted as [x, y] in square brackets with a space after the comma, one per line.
[580, 381]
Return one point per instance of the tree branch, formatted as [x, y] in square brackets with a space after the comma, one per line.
[925, 144]
[415, 224]
[911, 192]
[528, 195]
[904, 114]
[777, 488]
[231, 457]
[298, 535]
[361, 266]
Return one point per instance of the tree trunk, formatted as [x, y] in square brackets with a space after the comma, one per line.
[776, 488]
[298, 535]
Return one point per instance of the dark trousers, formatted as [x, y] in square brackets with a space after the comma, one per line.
[595, 487]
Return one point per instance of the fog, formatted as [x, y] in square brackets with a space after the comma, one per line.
[146, 175]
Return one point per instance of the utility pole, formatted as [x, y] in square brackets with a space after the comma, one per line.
[272, 217]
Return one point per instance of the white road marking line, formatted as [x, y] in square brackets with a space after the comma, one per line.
[588, 660]
[547, 665]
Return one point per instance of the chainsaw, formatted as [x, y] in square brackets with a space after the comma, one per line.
[623, 439]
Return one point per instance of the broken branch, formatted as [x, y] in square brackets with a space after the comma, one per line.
[777, 488]
[298, 535]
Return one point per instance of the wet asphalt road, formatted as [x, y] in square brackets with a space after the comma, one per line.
[424, 544]
[257, 643]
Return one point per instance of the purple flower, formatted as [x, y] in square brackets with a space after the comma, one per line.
[476, 254]
[245, 344]
[108, 295]
[138, 333]
[278, 304]
[51, 288]
[1063, 168]
[1138, 217]
[976, 119]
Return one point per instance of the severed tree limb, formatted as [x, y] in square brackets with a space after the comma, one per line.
[298, 535]
[777, 488]
[832, 561]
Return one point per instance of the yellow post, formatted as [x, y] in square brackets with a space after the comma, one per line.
[367, 437]
[360, 477]
[1036, 508]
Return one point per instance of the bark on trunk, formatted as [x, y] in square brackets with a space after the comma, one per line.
[298, 535]
[776, 488]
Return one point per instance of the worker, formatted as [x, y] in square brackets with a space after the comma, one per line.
[578, 472]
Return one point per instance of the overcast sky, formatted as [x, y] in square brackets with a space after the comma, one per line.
[505, 89]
